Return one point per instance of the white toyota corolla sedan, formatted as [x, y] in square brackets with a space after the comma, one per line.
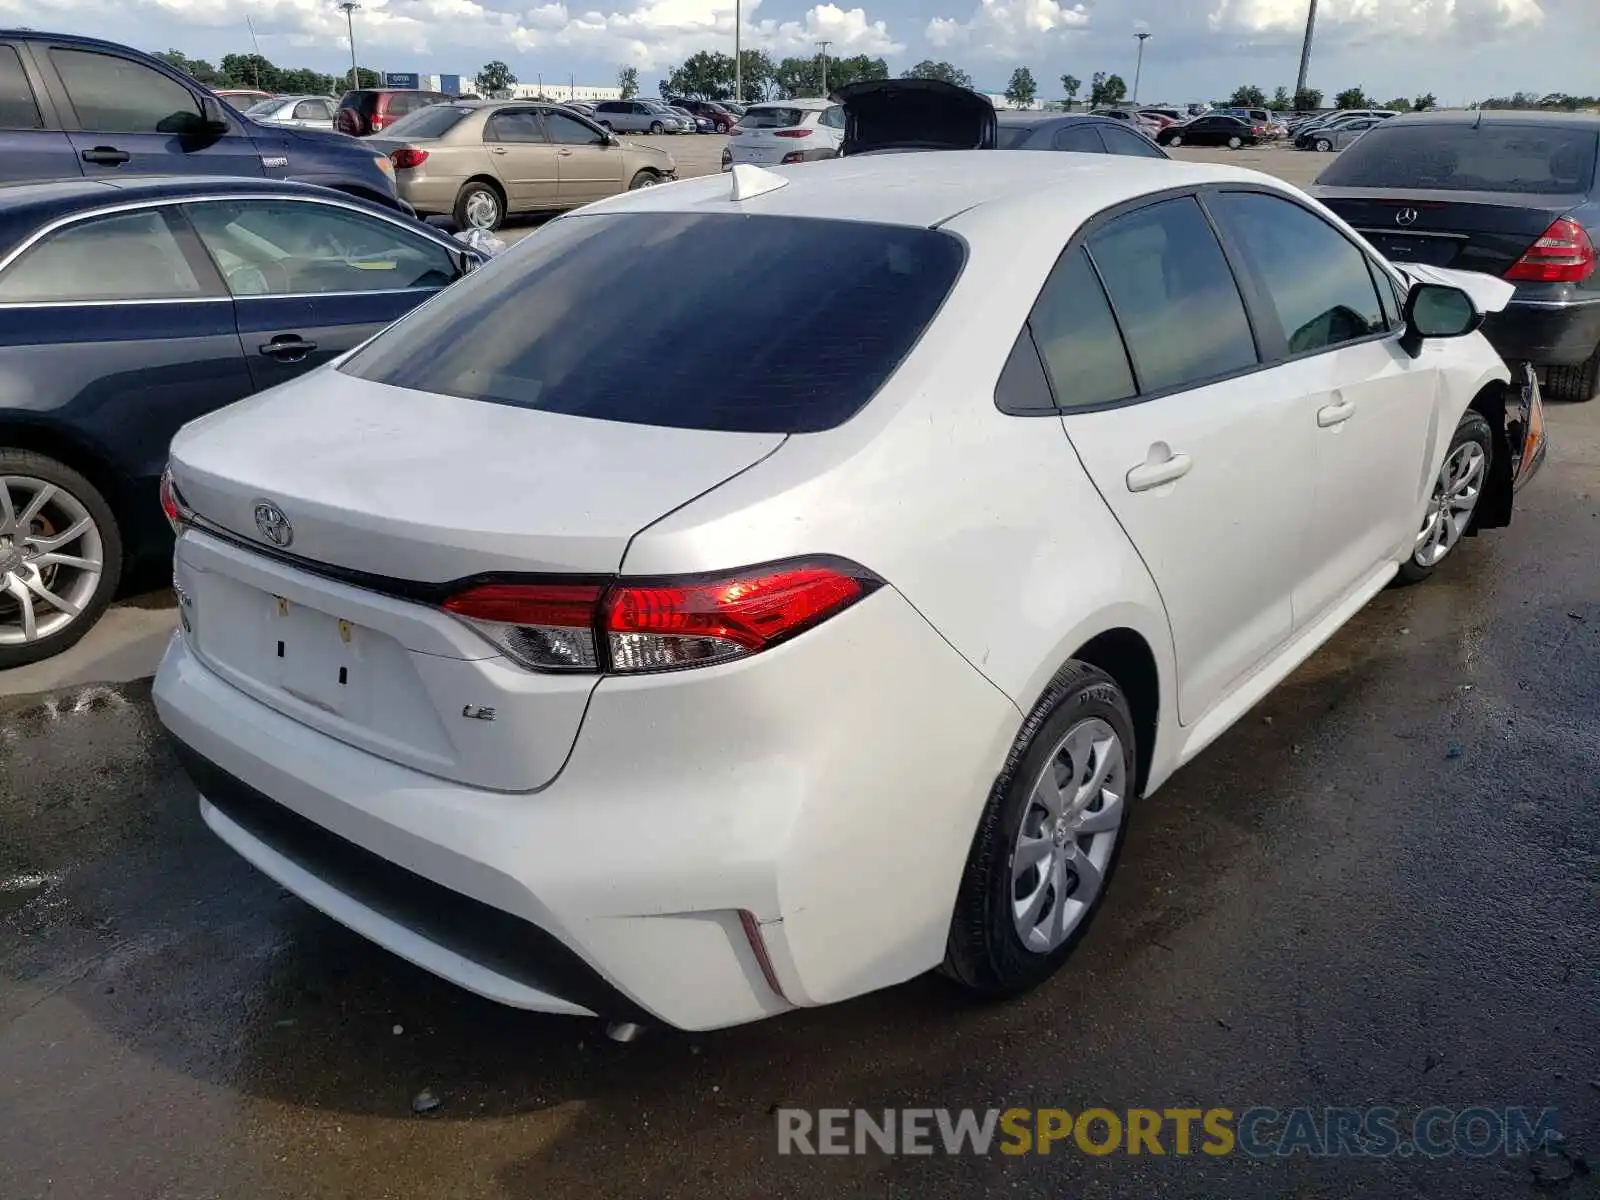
[607, 663]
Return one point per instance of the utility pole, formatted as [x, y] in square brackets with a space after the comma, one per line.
[1138, 67]
[1305, 48]
[255, 67]
[823, 46]
[350, 7]
[738, 54]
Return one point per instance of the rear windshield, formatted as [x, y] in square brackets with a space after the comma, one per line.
[773, 118]
[434, 121]
[1012, 136]
[691, 320]
[1534, 159]
[362, 102]
[262, 107]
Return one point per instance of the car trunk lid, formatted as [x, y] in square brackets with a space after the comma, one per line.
[336, 621]
[1469, 231]
[915, 114]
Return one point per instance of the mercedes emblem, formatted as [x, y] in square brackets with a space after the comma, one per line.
[274, 526]
[1406, 216]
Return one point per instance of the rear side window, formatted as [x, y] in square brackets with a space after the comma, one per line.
[1531, 159]
[17, 107]
[1078, 339]
[1174, 295]
[517, 125]
[1079, 139]
[690, 320]
[110, 94]
[1315, 278]
[1122, 141]
[128, 256]
[773, 118]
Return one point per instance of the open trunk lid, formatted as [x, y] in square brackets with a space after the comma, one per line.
[914, 114]
[1468, 231]
[314, 580]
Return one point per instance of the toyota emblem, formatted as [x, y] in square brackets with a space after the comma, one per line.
[1406, 216]
[274, 526]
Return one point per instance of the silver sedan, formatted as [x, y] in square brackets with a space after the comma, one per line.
[300, 112]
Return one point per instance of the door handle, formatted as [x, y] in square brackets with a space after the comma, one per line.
[1336, 413]
[1148, 475]
[108, 156]
[287, 347]
[497, 149]
[564, 153]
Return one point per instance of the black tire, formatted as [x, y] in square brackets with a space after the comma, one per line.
[643, 179]
[1473, 427]
[1574, 384]
[37, 466]
[1175, 140]
[657, 128]
[474, 193]
[984, 954]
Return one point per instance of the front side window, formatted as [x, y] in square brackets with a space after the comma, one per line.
[833, 117]
[624, 317]
[18, 110]
[312, 110]
[565, 130]
[297, 248]
[1316, 279]
[111, 94]
[1080, 139]
[1174, 295]
[1078, 337]
[127, 256]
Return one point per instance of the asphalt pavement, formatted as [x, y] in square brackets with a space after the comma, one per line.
[1379, 889]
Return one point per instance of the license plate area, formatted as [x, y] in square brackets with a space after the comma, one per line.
[1432, 252]
[316, 657]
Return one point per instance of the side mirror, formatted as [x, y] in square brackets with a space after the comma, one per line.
[1434, 310]
[213, 118]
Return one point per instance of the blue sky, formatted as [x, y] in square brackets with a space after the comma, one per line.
[1459, 49]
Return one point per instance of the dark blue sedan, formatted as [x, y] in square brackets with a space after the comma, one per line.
[128, 308]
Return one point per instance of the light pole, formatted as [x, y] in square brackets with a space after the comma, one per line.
[350, 7]
[738, 55]
[823, 46]
[1305, 50]
[1138, 67]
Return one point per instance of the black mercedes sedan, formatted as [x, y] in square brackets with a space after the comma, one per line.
[1513, 194]
[1079, 132]
[130, 307]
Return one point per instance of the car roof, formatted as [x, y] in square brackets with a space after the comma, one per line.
[1500, 116]
[1014, 118]
[927, 188]
[808, 103]
[31, 203]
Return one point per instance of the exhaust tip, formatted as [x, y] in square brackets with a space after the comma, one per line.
[624, 1031]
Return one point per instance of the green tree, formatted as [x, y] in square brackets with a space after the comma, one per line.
[1399, 104]
[248, 70]
[842, 71]
[1352, 98]
[1022, 90]
[946, 72]
[628, 82]
[199, 68]
[1307, 100]
[304, 81]
[1106, 89]
[366, 77]
[704, 75]
[1424, 102]
[494, 77]
[1071, 85]
[1280, 100]
[795, 77]
[1248, 96]
[756, 70]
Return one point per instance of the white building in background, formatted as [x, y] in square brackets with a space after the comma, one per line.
[522, 91]
[1000, 102]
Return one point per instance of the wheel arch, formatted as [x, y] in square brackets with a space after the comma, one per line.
[494, 184]
[1494, 509]
[72, 451]
[1126, 656]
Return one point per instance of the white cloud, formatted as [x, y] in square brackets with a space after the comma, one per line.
[1006, 28]
[1367, 20]
[650, 34]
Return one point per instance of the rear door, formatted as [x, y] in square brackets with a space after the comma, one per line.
[1331, 318]
[123, 118]
[312, 279]
[32, 145]
[1203, 457]
[115, 329]
[587, 165]
[523, 158]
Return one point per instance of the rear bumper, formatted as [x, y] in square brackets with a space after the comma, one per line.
[1545, 334]
[723, 845]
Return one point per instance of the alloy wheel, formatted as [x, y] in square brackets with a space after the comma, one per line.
[1450, 509]
[51, 559]
[1068, 833]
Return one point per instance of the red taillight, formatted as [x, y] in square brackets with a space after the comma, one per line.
[179, 515]
[407, 157]
[1563, 254]
[662, 624]
[791, 133]
[379, 120]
